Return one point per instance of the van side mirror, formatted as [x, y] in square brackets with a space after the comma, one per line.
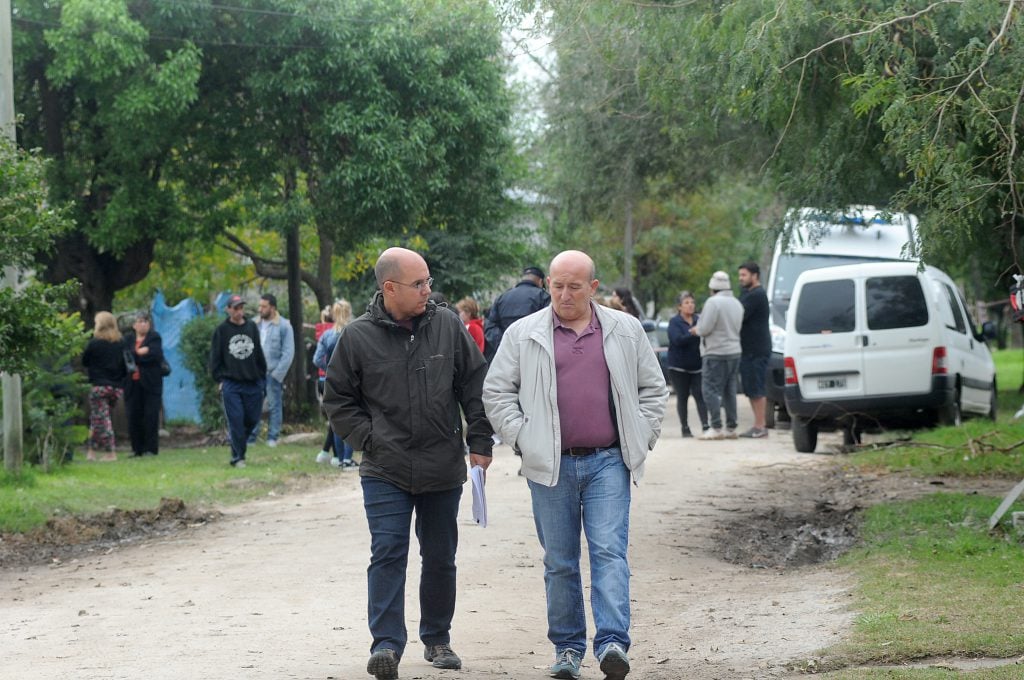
[989, 331]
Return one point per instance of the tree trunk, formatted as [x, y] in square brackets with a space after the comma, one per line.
[100, 274]
[627, 247]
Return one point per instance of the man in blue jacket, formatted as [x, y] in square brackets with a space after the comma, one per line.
[527, 297]
[279, 349]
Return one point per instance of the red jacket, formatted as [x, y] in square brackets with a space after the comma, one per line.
[476, 329]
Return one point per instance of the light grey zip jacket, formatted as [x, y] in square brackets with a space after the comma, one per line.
[521, 399]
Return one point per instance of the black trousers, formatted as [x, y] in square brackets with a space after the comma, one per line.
[686, 384]
[143, 411]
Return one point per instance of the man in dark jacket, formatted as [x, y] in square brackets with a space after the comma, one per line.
[527, 297]
[395, 385]
[240, 369]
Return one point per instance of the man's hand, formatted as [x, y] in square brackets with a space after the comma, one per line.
[478, 459]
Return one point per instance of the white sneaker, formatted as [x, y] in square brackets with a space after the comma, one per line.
[271, 443]
[336, 462]
[323, 456]
[711, 433]
[731, 434]
[240, 464]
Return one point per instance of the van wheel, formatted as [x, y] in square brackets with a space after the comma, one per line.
[805, 435]
[769, 413]
[992, 403]
[950, 414]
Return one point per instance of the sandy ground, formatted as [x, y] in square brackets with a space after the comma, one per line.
[276, 589]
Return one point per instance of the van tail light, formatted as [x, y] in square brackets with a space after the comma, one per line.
[940, 363]
[790, 368]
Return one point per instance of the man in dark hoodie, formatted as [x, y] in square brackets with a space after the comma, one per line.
[395, 385]
[240, 370]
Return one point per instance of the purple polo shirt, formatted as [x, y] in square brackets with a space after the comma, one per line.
[583, 384]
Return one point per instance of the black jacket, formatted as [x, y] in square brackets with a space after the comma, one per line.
[395, 395]
[150, 379]
[104, 361]
[522, 300]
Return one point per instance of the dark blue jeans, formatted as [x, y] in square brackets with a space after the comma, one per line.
[389, 514]
[243, 402]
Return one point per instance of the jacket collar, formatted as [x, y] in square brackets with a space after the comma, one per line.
[379, 315]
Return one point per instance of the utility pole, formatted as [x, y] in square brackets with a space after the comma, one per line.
[13, 450]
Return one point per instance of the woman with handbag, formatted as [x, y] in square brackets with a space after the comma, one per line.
[105, 359]
[145, 386]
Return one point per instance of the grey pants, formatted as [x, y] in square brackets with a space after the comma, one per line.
[719, 387]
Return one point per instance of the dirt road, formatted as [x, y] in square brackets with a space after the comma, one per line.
[276, 589]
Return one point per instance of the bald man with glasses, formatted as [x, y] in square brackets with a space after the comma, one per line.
[400, 380]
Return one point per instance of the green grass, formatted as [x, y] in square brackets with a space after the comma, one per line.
[197, 476]
[932, 581]
[1011, 672]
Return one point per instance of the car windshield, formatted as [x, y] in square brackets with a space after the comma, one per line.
[791, 266]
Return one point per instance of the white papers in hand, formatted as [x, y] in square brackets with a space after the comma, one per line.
[476, 476]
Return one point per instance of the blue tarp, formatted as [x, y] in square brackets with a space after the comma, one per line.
[181, 398]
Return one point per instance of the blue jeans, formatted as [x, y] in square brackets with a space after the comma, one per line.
[275, 389]
[389, 514]
[593, 494]
[242, 405]
[720, 389]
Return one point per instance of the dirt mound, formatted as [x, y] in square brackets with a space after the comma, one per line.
[63, 538]
[808, 516]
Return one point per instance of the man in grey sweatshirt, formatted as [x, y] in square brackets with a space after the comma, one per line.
[719, 326]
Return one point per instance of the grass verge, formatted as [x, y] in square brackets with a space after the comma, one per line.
[197, 476]
[932, 580]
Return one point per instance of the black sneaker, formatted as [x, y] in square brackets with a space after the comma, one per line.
[442, 656]
[383, 664]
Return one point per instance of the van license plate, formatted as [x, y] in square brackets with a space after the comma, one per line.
[831, 383]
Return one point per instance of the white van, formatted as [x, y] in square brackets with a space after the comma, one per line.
[813, 239]
[870, 346]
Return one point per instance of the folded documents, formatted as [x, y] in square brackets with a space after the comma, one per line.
[476, 476]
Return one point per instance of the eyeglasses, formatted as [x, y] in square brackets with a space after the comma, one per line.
[418, 285]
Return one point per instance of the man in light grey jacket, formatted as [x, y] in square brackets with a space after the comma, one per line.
[719, 326]
[577, 390]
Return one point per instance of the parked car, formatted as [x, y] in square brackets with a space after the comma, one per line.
[871, 346]
[657, 333]
[814, 239]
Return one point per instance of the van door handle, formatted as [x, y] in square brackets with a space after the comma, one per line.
[864, 341]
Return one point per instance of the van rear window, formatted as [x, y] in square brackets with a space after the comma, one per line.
[895, 302]
[826, 307]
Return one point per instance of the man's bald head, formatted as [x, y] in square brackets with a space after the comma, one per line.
[575, 260]
[392, 264]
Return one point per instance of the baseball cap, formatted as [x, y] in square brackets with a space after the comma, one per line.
[536, 271]
[236, 301]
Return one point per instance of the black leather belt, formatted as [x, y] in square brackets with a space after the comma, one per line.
[580, 450]
[585, 450]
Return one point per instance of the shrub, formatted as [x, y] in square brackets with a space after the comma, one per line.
[195, 347]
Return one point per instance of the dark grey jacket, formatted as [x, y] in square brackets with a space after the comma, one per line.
[396, 394]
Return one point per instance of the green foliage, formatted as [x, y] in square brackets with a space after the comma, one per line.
[52, 416]
[31, 323]
[196, 337]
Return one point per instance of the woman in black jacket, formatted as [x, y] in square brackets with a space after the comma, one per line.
[145, 387]
[684, 361]
[104, 360]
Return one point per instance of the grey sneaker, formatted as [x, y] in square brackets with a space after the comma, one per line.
[755, 433]
[442, 656]
[567, 665]
[383, 664]
[613, 662]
